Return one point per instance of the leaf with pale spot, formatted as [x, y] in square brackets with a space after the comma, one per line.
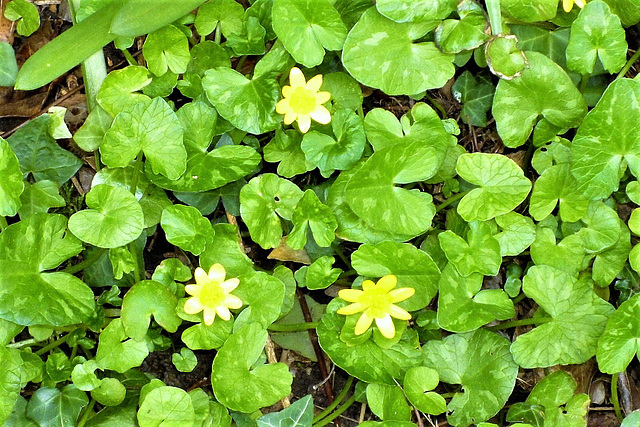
[310, 214]
[480, 253]
[145, 299]
[621, 337]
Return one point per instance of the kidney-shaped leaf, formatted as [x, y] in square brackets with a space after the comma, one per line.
[264, 295]
[418, 383]
[621, 338]
[145, 299]
[416, 11]
[480, 253]
[186, 228]
[166, 406]
[118, 353]
[557, 184]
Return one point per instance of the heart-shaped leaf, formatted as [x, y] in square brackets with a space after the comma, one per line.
[480, 253]
[186, 228]
[11, 185]
[466, 33]
[166, 406]
[418, 383]
[50, 406]
[517, 233]
[619, 341]
[145, 299]
[285, 148]
[225, 250]
[557, 184]
[387, 402]
[263, 294]
[411, 11]
[119, 91]
[166, 49]
[311, 214]
[116, 352]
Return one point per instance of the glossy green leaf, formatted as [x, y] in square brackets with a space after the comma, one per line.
[52, 407]
[166, 406]
[577, 319]
[557, 184]
[166, 49]
[145, 299]
[285, 149]
[310, 214]
[530, 10]
[11, 186]
[185, 361]
[110, 393]
[26, 14]
[320, 274]
[627, 10]
[28, 294]
[225, 250]
[413, 268]
[345, 91]
[8, 65]
[263, 294]
[90, 135]
[204, 56]
[476, 95]
[114, 218]
[383, 54]
[157, 14]
[619, 342]
[237, 383]
[119, 91]
[466, 33]
[299, 414]
[412, 11]
[299, 342]
[84, 377]
[610, 262]
[186, 228]
[517, 233]
[567, 255]
[501, 183]
[228, 14]
[533, 92]
[418, 383]
[307, 27]
[480, 253]
[207, 337]
[9, 382]
[387, 402]
[552, 44]
[602, 227]
[599, 149]
[504, 58]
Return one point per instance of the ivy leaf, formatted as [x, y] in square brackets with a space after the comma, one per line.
[479, 361]
[299, 414]
[225, 250]
[596, 34]
[387, 402]
[517, 233]
[119, 91]
[413, 268]
[118, 353]
[410, 11]
[40, 155]
[557, 184]
[26, 14]
[479, 254]
[311, 214]
[285, 148]
[9, 382]
[39, 198]
[263, 201]
[476, 95]
[463, 306]
[145, 299]
[619, 341]
[383, 54]
[28, 294]
[501, 183]
[186, 228]
[114, 217]
[418, 383]
[307, 27]
[166, 406]
[468, 32]
[166, 48]
[577, 318]
[599, 149]
[248, 104]
[50, 407]
[11, 186]
[149, 127]
[237, 383]
[534, 92]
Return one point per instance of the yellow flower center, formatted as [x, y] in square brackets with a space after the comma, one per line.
[378, 302]
[212, 295]
[302, 101]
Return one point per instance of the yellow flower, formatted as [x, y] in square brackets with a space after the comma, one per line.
[567, 5]
[302, 101]
[211, 294]
[376, 301]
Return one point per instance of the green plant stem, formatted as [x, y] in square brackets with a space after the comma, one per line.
[112, 312]
[293, 327]
[614, 396]
[629, 64]
[337, 412]
[437, 105]
[451, 200]
[136, 174]
[55, 344]
[130, 59]
[338, 250]
[95, 256]
[217, 37]
[521, 322]
[361, 112]
[584, 82]
[3, 223]
[519, 298]
[339, 398]
[495, 17]
[241, 62]
[85, 413]
[23, 343]
[448, 395]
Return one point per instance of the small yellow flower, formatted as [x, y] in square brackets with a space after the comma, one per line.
[376, 301]
[211, 294]
[567, 5]
[302, 101]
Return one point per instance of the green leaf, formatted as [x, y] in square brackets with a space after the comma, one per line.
[90, 135]
[517, 233]
[413, 268]
[577, 319]
[383, 54]
[84, 377]
[186, 228]
[114, 218]
[248, 104]
[567, 255]
[534, 92]
[599, 149]
[466, 33]
[411, 11]
[229, 14]
[8, 65]
[263, 294]
[345, 91]
[479, 254]
[298, 341]
[263, 201]
[320, 274]
[119, 91]
[619, 341]
[157, 14]
[51, 407]
[552, 44]
[166, 49]
[225, 250]
[204, 56]
[311, 214]
[299, 414]
[250, 39]
[40, 155]
[387, 402]
[26, 14]
[11, 186]
[501, 183]
[203, 337]
[166, 406]
[110, 393]
[307, 27]
[557, 184]
[391, 363]
[185, 361]
[610, 262]
[57, 367]
[627, 10]
[530, 10]
[28, 294]
[504, 58]
[285, 148]
[463, 306]
[479, 361]
[9, 382]
[237, 383]
[596, 34]
[418, 383]
[603, 227]
[476, 95]
[118, 353]
[143, 300]
[149, 127]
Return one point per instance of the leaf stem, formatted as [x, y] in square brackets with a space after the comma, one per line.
[437, 105]
[614, 393]
[337, 412]
[136, 174]
[495, 17]
[629, 64]
[86, 412]
[338, 250]
[3, 223]
[23, 343]
[293, 327]
[584, 82]
[53, 344]
[520, 322]
[130, 59]
[87, 262]
[451, 200]
[241, 63]
[217, 37]
[339, 398]
[112, 312]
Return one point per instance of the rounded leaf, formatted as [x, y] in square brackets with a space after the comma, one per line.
[166, 406]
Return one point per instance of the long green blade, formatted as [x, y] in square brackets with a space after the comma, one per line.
[138, 17]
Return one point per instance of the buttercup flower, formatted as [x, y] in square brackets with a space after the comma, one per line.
[211, 294]
[567, 5]
[302, 101]
[376, 301]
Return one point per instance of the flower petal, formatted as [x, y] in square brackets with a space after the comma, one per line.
[233, 301]
[283, 107]
[387, 282]
[399, 313]
[322, 97]
[217, 273]
[567, 5]
[363, 323]
[367, 285]
[296, 78]
[209, 316]
[193, 290]
[314, 84]
[304, 122]
[385, 324]
[223, 312]
[200, 276]
[289, 117]
[351, 295]
[580, 3]
[401, 294]
[193, 306]
[351, 309]
[286, 91]
[229, 285]
[321, 115]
